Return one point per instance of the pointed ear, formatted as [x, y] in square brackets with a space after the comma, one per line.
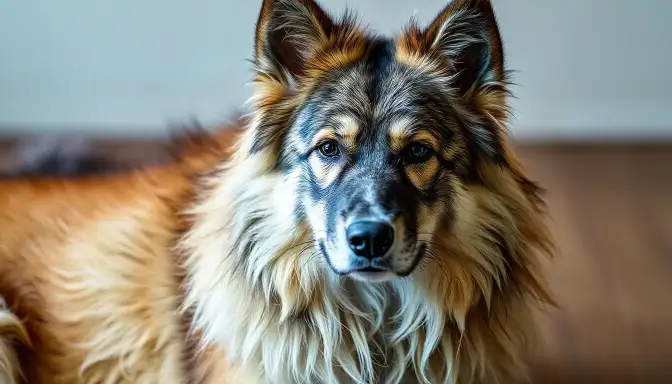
[289, 33]
[466, 33]
[463, 44]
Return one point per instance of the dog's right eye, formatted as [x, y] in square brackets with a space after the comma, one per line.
[417, 153]
[329, 148]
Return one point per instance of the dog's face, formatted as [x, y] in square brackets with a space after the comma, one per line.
[382, 133]
[376, 143]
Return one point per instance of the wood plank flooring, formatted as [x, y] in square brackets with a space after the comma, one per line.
[611, 215]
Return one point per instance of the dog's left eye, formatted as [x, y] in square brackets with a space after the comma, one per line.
[417, 153]
[329, 148]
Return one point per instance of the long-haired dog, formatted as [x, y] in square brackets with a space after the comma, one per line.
[369, 224]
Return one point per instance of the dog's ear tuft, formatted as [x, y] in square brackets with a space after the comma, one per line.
[466, 33]
[289, 33]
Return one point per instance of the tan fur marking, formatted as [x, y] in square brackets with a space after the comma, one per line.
[426, 137]
[345, 131]
[415, 60]
[421, 174]
[348, 130]
[322, 135]
[454, 149]
[401, 135]
[409, 44]
[399, 132]
[337, 58]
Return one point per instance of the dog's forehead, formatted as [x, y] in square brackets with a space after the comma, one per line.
[373, 92]
[379, 95]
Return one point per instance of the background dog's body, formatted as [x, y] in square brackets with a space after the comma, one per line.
[238, 239]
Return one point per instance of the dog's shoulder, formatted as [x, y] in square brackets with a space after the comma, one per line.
[89, 261]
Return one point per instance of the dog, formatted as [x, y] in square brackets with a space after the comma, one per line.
[368, 222]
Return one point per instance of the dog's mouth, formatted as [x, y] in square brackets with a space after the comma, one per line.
[373, 270]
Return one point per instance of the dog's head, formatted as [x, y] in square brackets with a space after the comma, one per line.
[384, 134]
[375, 158]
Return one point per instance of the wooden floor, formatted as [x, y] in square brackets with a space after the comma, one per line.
[611, 209]
[611, 215]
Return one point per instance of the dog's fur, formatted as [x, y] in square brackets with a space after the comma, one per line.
[57, 156]
[228, 264]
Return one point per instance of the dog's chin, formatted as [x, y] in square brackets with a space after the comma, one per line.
[373, 277]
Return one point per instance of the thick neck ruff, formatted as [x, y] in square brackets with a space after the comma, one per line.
[257, 287]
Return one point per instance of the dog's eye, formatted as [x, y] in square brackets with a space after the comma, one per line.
[417, 153]
[329, 148]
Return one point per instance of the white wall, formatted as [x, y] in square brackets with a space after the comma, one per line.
[586, 67]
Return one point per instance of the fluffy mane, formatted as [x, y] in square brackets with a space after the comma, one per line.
[257, 285]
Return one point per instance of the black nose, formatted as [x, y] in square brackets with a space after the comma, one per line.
[370, 238]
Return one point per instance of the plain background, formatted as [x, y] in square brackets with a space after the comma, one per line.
[586, 68]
